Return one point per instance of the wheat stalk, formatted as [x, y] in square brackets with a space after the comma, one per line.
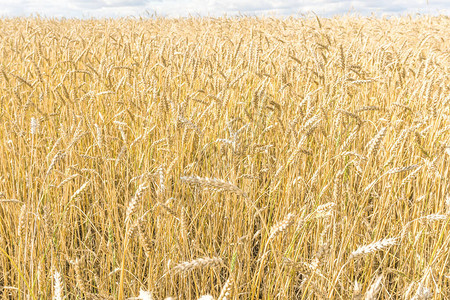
[373, 247]
[143, 237]
[34, 126]
[58, 157]
[77, 265]
[70, 178]
[80, 190]
[22, 220]
[374, 289]
[57, 286]
[374, 144]
[198, 263]
[226, 290]
[213, 183]
[134, 202]
[282, 225]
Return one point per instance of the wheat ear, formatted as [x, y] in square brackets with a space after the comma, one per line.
[374, 289]
[374, 144]
[57, 286]
[132, 206]
[198, 263]
[281, 226]
[226, 290]
[213, 183]
[373, 247]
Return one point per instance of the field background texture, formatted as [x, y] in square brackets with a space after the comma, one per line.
[234, 158]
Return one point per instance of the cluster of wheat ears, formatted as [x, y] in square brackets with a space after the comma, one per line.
[225, 158]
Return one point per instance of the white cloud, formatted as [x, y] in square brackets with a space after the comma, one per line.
[174, 8]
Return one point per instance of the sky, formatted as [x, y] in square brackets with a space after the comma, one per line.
[183, 8]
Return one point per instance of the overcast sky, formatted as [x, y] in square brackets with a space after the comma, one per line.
[177, 8]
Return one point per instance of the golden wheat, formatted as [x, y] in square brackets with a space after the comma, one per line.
[311, 136]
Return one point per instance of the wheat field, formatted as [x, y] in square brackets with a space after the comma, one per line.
[225, 158]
